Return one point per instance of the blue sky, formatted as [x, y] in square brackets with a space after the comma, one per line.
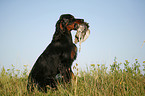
[117, 29]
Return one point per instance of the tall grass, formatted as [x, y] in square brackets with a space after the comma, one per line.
[97, 81]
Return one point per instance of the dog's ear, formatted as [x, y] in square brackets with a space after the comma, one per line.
[63, 23]
[64, 19]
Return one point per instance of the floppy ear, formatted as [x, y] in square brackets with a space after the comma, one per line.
[60, 25]
[63, 23]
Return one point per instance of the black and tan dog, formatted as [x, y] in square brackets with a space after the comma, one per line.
[57, 58]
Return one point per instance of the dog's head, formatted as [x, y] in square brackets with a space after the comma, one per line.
[67, 22]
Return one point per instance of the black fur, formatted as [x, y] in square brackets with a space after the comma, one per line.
[57, 58]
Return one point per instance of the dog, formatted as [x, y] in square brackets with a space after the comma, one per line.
[57, 58]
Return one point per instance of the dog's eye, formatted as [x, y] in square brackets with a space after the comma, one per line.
[72, 20]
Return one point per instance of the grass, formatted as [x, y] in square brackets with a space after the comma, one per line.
[98, 80]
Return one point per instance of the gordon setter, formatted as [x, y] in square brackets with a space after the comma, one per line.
[57, 58]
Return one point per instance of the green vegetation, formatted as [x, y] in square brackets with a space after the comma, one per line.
[97, 81]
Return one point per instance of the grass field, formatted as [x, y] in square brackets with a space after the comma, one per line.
[98, 80]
